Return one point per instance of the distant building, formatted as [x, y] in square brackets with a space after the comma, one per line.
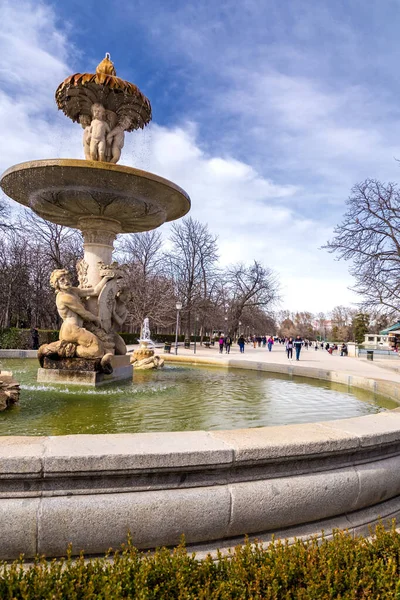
[376, 340]
[393, 335]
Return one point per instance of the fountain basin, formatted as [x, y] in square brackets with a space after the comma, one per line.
[68, 191]
[214, 487]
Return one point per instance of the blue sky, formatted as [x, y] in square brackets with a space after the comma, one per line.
[265, 111]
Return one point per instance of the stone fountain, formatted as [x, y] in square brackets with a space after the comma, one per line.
[101, 199]
[144, 358]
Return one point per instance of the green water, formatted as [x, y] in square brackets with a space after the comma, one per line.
[179, 398]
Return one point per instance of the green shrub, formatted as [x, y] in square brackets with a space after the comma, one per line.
[130, 338]
[21, 339]
[342, 567]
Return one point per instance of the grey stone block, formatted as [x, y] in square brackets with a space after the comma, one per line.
[278, 503]
[94, 523]
[140, 451]
[18, 527]
[272, 443]
[89, 378]
[371, 430]
[20, 454]
[379, 481]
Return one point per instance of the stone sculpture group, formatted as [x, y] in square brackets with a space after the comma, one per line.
[83, 333]
[105, 106]
[102, 141]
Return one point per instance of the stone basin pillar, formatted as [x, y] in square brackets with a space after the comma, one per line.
[99, 234]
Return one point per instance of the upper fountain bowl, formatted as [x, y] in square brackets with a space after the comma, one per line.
[64, 191]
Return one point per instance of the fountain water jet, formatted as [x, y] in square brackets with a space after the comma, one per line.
[101, 199]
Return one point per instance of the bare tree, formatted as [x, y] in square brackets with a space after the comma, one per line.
[249, 287]
[341, 320]
[5, 222]
[144, 249]
[29, 250]
[192, 267]
[370, 237]
[303, 322]
[61, 245]
[152, 292]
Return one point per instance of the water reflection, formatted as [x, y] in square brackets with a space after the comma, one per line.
[179, 398]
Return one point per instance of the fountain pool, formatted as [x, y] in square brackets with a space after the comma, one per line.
[180, 398]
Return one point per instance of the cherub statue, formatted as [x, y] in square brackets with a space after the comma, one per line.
[74, 338]
[85, 121]
[99, 129]
[116, 138]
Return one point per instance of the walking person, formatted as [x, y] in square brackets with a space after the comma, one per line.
[241, 342]
[289, 348]
[228, 344]
[221, 343]
[298, 342]
[270, 343]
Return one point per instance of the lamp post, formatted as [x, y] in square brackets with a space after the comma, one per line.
[226, 325]
[196, 319]
[240, 322]
[178, 308]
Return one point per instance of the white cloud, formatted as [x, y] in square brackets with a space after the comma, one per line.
[255, 215]
[246, 212]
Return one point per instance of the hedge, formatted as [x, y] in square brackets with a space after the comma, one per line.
[343, 567]
[21, 338]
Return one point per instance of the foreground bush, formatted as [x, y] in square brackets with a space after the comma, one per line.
[343, 568]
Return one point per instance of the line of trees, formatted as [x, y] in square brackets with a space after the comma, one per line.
[342, 324]
[159, 273]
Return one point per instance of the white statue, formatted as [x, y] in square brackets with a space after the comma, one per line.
[85, 120]
[143, 357]
[99, 129]
[116, 138]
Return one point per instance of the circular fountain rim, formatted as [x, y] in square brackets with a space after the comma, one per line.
[91, 164]
[214, 486]
[64, 190]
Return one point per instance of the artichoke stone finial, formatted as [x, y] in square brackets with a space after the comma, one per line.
[106, 66]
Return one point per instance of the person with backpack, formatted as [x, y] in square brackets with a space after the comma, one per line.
[221, 343]
[228, 344]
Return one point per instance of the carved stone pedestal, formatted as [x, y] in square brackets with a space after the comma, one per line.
[80, 371]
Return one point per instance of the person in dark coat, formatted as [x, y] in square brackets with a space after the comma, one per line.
[241, 342]
[298, 342]
[35, 338]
